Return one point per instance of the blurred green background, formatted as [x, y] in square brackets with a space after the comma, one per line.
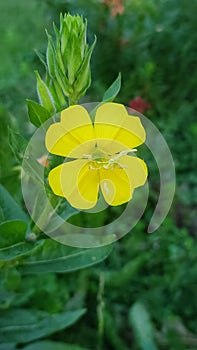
[143, 296]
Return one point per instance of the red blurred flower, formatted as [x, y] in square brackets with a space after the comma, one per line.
[116, 6]
[139, 104]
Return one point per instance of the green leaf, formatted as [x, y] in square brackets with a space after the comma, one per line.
[6, 160]
[41, 58]
[12, 241]
[51, 345]
[10, 280]
[113, 90]
[37, 113]
[12, 232]
[141, 323]
[109, 95]
[45, 97]
[50, 54]
[10, 210]
[56, 257]
[18, 144]
[66, 211]
[6, 298]
[7, 346]
[34, 169]
[21, 326]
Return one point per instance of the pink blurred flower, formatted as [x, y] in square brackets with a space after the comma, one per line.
[43, 160]
[116, 6]
[139, 104]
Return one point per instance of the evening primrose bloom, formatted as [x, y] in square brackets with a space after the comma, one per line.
[100, 155]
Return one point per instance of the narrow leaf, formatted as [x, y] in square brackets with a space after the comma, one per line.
[51, 345]
[141, 323]
[35, 170]
[12, 241]
[21, 326]
[41, 58]
[17, 143]
[10, 210]
[113, 90]
[56, 257]
[7, 346]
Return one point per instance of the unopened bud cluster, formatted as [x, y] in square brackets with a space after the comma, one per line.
[67, 65]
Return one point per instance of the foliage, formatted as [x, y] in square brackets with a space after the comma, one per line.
[148, 281]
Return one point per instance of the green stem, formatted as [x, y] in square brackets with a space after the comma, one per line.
[72, 100]
[100, 309]
[45, 217]
[42, 220]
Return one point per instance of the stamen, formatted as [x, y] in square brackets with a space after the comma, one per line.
[101, 161]
[107, 166]
[126, 151]
[91, 167]
[122, 166]
[107, 163]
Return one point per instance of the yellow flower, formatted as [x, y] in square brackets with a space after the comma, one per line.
[99, 155]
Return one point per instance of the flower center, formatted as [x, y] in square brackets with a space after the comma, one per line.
[100, 159]
[99, 156]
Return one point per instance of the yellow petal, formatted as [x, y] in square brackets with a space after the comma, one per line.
[136, 170]
[115, 186]
[118, 184]
[73, 136]
[74, 181]
[117, 130]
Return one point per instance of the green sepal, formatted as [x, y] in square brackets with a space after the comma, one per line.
[50, 56]
[74, 58]
[59, 58]
[83, 80]
[52, 90]
[45, 96]
[63, 81]
[37, 113]
[58, 89]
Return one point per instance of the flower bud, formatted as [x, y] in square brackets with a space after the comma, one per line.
[67, 65]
